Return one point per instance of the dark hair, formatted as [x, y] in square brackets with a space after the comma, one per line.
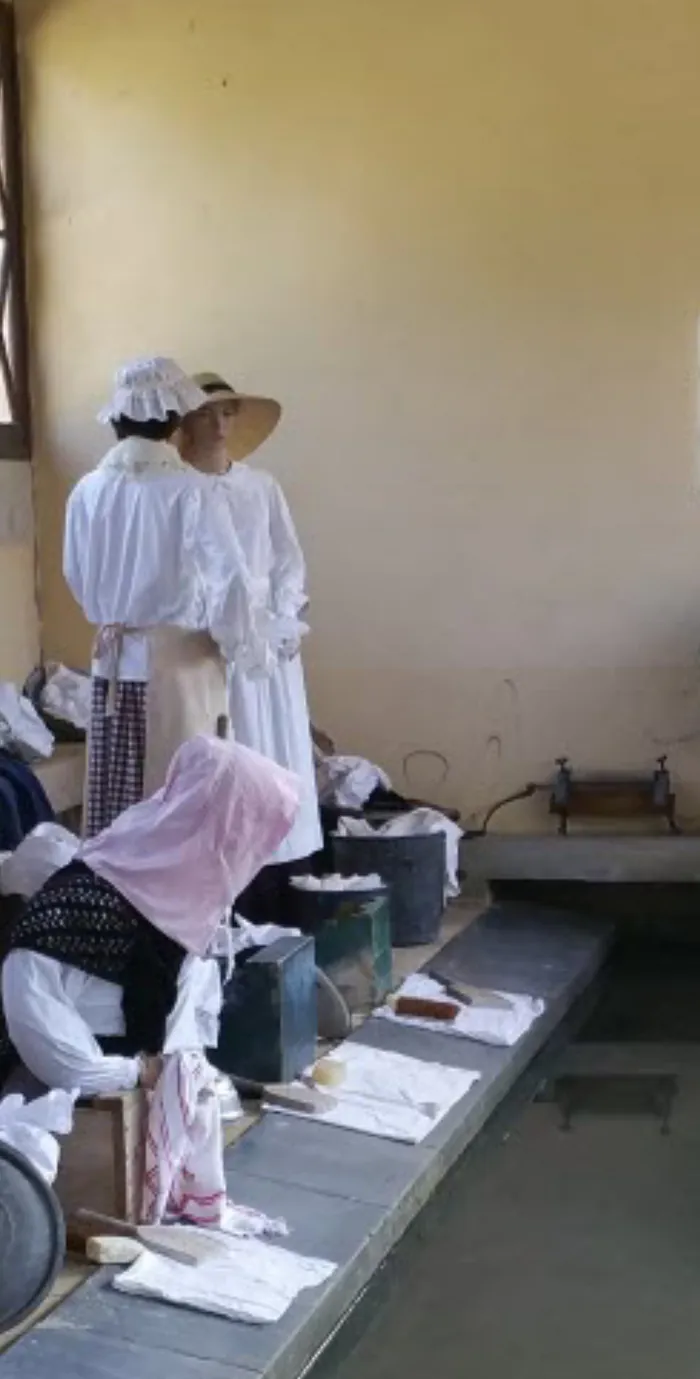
[148, 430]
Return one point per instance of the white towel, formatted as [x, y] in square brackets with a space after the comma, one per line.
[184, 1168]
[390, 1095]
[251, 1281]
[485, 1024]
[184, 1159]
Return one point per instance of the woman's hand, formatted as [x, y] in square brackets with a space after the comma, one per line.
[150, 1069]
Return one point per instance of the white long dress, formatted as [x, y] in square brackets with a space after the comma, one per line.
[272, 715]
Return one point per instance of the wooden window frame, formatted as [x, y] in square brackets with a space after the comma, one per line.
[15, 435]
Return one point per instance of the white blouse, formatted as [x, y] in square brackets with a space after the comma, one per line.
[53, 1012]
[147, 545]
[265, 530]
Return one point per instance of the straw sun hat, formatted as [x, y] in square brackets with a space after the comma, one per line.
[256, 417]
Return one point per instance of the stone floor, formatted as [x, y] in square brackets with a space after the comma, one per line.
[574, 1254]
[74, 1273]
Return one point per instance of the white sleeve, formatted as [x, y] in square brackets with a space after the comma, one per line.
[289, 567]
[236, 616]
[73, 545]
[50, 1035]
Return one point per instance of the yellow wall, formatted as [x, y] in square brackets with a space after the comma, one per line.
[461, 242]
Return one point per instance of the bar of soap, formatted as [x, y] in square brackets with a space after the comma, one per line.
[328, 1072]
[113, 1249]
[423, 1009]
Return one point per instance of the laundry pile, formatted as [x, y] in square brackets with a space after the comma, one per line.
[415, 823]
[336, 883]
[347, 781]
[32, 1128]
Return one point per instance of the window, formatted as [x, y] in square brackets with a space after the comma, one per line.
[15, 438]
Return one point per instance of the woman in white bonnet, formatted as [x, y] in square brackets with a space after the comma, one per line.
[155, 565]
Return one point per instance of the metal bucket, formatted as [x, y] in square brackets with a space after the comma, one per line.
[412, 866]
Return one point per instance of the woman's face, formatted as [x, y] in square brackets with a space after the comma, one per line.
[210, 427]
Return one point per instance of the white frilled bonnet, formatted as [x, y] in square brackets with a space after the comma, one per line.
[148, 389]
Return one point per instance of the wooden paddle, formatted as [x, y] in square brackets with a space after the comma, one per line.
[178, 1243]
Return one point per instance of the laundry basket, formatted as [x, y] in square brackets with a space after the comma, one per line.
[413, 868]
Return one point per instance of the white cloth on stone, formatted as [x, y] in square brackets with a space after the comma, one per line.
[482, 1023]
[251, 1281]
[390, 1095]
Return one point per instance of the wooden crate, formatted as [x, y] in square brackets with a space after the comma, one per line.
[102, 1160]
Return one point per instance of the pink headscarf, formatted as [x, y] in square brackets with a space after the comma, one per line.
[184, 855]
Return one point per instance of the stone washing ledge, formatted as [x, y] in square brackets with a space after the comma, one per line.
[347, 1197]
[662, 858]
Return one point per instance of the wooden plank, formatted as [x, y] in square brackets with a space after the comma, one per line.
[102, 1160]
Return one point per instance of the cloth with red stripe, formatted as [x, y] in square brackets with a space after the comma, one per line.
[184, 1176]
[184, 1160]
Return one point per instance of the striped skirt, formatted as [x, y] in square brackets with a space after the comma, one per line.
[116, 753]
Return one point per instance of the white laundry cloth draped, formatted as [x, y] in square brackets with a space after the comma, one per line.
[347, 782]
[272, 715]
[184, 1160]
[484, 1024]
[31, 1128]
[390, 1095]
[250, 1281]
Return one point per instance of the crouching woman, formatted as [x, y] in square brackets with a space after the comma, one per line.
[114, 947]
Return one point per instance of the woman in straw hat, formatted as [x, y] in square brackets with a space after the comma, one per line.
[153, 561]
[268, 715]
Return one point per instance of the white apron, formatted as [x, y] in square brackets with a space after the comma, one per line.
[186, 691]
[186, 696]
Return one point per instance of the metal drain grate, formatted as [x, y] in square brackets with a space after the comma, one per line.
[615, 1094]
